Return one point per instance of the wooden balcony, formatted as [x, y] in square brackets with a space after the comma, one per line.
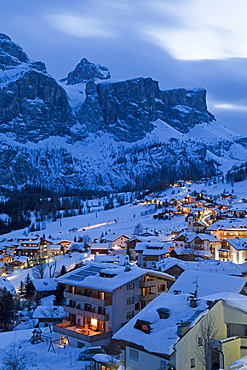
[80, 333]
[148, 297]
[90, 314]
[86, 299]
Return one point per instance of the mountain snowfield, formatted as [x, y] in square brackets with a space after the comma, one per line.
[93, 132]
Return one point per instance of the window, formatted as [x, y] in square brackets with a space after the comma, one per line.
[137, 306]
[134, 355]
[162, 288]
[199, 341]
[87, 307]
[143, 326]
[192, 362]
[130, 300]
[129, 315]
[130, 286]
[101, 310]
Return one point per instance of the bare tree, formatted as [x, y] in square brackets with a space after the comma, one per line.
[15, 357]
[52, 266]
[38, 270]
[205, 338]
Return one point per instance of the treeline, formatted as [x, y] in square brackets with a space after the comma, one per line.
[18, 205]
[237, 173]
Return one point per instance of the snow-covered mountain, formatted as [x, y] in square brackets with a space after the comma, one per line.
[89, 131]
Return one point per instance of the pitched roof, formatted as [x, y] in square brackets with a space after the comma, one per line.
[208, 283]
[41, 285]
[107, 276]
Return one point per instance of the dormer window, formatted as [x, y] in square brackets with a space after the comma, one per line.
[164, 313]
[143, 326]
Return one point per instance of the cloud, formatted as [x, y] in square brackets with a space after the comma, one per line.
[79, 26]
[233, 107]
[208, 29]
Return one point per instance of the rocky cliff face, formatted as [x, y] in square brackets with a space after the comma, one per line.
[33, 106]
[116, 135]
[127, 109]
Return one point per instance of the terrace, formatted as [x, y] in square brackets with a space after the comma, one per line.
[89, 334]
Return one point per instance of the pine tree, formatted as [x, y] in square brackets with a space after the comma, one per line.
[6, 308]
[21, 288]
[29, 290]
[59, 299]
[63, 271]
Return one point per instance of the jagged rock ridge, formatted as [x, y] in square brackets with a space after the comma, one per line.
[114, 128]
[86, 71]
[127, 109]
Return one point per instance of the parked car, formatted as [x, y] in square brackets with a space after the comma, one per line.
[88, 353]
[112, 348]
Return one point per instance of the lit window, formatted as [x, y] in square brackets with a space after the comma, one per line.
[94, 322]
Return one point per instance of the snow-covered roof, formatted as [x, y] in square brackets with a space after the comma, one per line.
[238, 223]
[106, 258]
[21, 259]
[207, 283]
[203, 236]
[238, 243]
[216, 266]
[156, 252]
[89, 276]
[5, 283]
[163, 334]
[99, 246]
[42, 312]
[41, 285]
[28, 247]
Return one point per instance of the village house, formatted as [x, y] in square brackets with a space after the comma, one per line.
[202, 283]
[48, 315]
[229, 228]
[115, 242]
[44, 287]
[198, 244]
[20, 262]
[100, 298]
[176, 267]
[168, 333]
[30, 248]
[233, 249]
[151, 253]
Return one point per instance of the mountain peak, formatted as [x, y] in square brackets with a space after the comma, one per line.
[87, 71]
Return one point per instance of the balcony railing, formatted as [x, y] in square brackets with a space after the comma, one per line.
[90, 314]
[146, 284]
[148, 297]
[92, 299]
[69, 330]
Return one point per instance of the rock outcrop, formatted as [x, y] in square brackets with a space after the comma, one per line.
[86, 71]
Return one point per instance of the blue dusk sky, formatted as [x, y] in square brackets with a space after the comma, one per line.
[180, 43]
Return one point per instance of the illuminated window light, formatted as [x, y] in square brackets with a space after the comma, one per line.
[94, 322]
